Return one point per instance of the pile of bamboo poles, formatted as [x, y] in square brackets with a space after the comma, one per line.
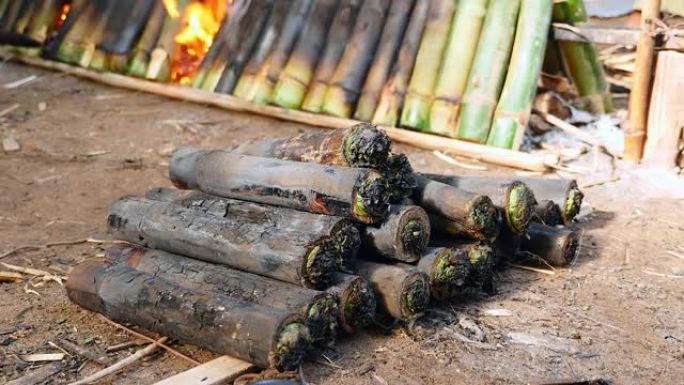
[274, 246]
[465, 70]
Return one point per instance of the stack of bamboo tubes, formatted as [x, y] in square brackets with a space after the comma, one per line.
[460, 69]
[274, 246]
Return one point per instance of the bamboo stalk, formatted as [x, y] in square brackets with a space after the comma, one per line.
[581, 60]
[482, 262]
[43, 19]
[386, 53]
[448, 269]
[140, 57]
[357, 301]
[77, 8]
[261, 88]
[416, 111]
[273, 29]
[345, 85]
[488, 70]
[402, 290]
[350, 192]
[539, 162]
[299, 70]
[635, 135]
[391, 99]
[548, 213]
[159, 67]
[223, 324]
[320, 309]
[403, 236]
[400, 177]
[336, 41]
[83, 22]
[455, 66]
[19, 15]
[3, 8]
[554, 245]
[250, 34]
[515, 104]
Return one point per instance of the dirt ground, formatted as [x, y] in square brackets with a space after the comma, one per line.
[615, 314]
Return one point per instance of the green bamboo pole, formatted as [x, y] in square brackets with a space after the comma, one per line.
[140, 57]
[416, 111]
[488, 70]
[71, 50]
[515, 105]
[581, 60]
[43, 18]
[392, 97]
[299, 70]
[392, 35]
[336, 41]
[458, 57]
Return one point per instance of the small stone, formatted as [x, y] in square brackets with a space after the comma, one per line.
[10, 145]
[42, 106]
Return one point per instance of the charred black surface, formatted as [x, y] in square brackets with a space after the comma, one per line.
[400, 176]
[448, 269]
[357, 301]
[553, 245]
[402, 290]
[403, 236]
[548, 213]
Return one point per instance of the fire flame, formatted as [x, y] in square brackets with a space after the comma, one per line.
[63, 15]
[201, 21]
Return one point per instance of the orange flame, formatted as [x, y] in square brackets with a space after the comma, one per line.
[63, 15]
[201, 21]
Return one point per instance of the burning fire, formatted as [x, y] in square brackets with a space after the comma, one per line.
[201, 21]
[63, 15]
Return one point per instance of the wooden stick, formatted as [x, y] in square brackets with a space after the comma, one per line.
[635, 135]
[532, 162]
[222, 370]
[121, 364]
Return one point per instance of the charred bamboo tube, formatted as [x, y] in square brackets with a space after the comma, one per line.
[515, 105]
[392, 97]
[140, 57]
[252, 40]
[273, 29]
[357, 193]
[336, 41]
[482, 262]
[565, 192]
[77, 8]
[3, 9]
[554, 245]
[400, 176]
[357, 302]
[514, 198]
[455, 66]
[416, 111]
[457, 212]
[18, 16]
[159, 67]
[264, 82]
[448, 269]
[342, 233]
[402, 290]
[388, 47]
[488, 70]
[548, 213]
[223, 324]
[89, 42]
[299, 70]
[361, 145]
[284, 254]
[345, 85]
[403, 236]
[320, 309]
[581, 60]
[43, 19]
[125, 26]
[70, 49]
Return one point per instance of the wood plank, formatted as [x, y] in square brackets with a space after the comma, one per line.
[217, 371]
[666, 113]
[539, 161]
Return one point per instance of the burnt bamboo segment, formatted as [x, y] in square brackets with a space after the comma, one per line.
[342, 191]
[391, 99]
[299, 70]
[556, 246]
[256, 247]
[43, 19]
[140, 57]
[77, 10]
[250, 34]
[514, 198]
[336, 41]
[320, 309]
[416, 111]
[357, 301]
[361, 145]
[345, 85]
[402, 290]
[341, 233]
[261, 90]
[403, 236]
[223, 324]
[386, 53]
[548, 213]
[82, 20]
[456, 212]
[482, 263]
[272, 30]
[448, 269]
[18, 16]
[159, 67]
[400, 176]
